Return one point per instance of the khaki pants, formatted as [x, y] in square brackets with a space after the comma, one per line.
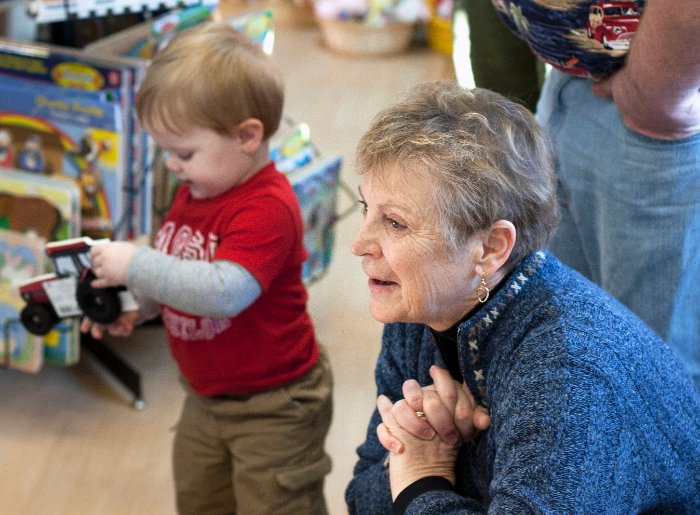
[256, 454]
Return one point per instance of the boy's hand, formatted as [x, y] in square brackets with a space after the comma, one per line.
[110, 263]
[122, 326]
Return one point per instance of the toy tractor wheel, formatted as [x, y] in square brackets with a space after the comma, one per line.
[38, 319]
[101, 305]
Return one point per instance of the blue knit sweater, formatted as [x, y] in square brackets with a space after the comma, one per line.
[590, 411]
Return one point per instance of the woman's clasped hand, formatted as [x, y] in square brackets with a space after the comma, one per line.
[428, 426]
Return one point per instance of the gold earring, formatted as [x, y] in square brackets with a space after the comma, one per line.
[482, 291]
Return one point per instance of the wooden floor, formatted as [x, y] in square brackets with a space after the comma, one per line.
[70, 442]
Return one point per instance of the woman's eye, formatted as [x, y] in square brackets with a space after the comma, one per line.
[186, 156]
[394, 224]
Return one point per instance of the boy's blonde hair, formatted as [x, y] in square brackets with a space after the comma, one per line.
[211, 76]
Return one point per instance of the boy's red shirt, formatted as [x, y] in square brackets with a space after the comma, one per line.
[257, 225]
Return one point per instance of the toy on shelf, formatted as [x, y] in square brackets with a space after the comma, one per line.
[67, 292]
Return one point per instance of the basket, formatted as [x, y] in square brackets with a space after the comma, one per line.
[356, 38]
[290, 13]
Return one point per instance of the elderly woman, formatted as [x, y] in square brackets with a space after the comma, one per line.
[540, 392]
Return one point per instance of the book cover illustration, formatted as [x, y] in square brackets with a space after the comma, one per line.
[66, 112]
[34, 209]
[291, 149]
[51, 136]
[47, 206]
[21, 257]
[316, 186]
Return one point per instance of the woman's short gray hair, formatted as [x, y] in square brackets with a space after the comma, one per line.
[485, 155]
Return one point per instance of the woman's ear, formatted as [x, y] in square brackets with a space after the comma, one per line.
[251, 133]
[496, 245]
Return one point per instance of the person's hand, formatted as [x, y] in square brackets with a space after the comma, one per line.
[674, 121]
[110, 263]
[603, 87]
[448, 409]
[123, 326]
[418, 458]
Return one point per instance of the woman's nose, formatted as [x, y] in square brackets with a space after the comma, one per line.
[356, 245]
[363, 243]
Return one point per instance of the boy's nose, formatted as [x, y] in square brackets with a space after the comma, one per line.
[171, 162]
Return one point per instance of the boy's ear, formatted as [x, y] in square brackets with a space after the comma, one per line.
[251, 133]
[496, 245]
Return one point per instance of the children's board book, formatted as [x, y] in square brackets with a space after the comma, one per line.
[316, 187]
[64, 112]
[34, 209]
[46, 206]
[316, 182]
[22, 256]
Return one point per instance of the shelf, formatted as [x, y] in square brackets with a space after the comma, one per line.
[50, 11]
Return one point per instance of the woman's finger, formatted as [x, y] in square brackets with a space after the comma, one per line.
[412, 421]
[470, 418]
[413, 394]
[445, 386]
[385, 435]
[439, 417]
[482, 418]
[389, 441]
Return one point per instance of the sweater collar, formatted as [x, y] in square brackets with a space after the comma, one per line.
[473, 335]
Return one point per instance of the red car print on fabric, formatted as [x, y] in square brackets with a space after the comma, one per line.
[613, 24]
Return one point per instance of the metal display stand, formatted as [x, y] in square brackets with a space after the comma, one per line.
[120, 369]
[117, 366]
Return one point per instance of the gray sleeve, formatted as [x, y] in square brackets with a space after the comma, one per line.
[216, 289]
[148, 308]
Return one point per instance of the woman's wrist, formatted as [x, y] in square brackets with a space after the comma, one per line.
[426, 484]
[403, 473]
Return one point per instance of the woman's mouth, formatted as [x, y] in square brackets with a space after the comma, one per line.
[380, 283]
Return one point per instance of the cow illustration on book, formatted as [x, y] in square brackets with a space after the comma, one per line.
[22, 214]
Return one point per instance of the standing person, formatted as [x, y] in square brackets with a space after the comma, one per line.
[622, 106]
[227, 276]
[581, 406]
[500, 60]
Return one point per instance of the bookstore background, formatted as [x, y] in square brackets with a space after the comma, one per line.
[75, 163]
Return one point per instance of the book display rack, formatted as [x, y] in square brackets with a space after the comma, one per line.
[74, 162]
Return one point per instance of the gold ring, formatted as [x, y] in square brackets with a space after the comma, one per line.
[420, 414]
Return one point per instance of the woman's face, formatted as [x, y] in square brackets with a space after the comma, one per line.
[412, 276]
